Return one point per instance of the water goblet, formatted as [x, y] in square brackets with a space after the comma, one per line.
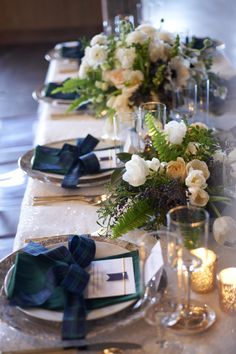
[190, 225]
[184, 102]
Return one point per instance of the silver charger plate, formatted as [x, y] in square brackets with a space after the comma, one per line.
[39, 95]
[104, 247]
[55, 53]
[25, 163]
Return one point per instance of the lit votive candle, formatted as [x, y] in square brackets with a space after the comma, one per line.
[203, 277]
[227, 289]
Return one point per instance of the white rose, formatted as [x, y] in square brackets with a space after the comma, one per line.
[199, 125]
[175, 132]
[154, 164]
[136, 171]
[136, 37]
[192, 148]
[166, 37]
[198, 196]
[126, 57]
[98, 39]
[150, 31]
[96, 55]
[196, 179]
[83, 69]
[158, 50]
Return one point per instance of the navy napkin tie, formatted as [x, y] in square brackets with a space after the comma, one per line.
[71, 160]
[64, 269]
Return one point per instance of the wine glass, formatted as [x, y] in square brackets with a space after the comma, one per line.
[190, 225]
[158, 112]
[184, 102]
[163, 304]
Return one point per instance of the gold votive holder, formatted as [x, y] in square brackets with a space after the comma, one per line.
[226, 279]
[203, 277]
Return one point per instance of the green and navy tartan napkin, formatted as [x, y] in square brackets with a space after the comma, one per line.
[55, 279]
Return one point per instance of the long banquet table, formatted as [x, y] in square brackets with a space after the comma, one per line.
[78, 217]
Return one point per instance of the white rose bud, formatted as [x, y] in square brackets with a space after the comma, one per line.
[98, 39]
[136, 37]
[192, 148]
[196, 179]
[198, 196]
[96, 55]
[136, 171]
[154, 164]
[175, 132]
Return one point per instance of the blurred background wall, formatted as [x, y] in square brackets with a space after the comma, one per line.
[27, 21]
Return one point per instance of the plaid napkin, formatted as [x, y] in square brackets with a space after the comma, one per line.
[73, 161]
[55, 279]
[75, 52]
[49, 92]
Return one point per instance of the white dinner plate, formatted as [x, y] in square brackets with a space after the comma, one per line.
[103, 249]
[25, 163]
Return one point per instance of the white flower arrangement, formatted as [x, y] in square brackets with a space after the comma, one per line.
[158, 60]
[176, 171]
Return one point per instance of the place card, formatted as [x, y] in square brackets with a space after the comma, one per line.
[110, 277]
[107, 158]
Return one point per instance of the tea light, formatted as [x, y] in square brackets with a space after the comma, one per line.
[203, 278]
[227, 289]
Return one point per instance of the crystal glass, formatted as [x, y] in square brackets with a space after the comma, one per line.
[163, 304]
[126, 128]
[203, 101]
[119, 19]
[190, 225]
[184, 102]
[229, 172]
[158, 111]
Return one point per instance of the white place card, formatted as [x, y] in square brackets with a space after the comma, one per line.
[153, 263]
[110, 277]
[107, 158]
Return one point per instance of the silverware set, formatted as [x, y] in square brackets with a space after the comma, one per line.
[90, 199]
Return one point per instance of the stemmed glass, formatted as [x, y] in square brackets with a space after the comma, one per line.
[184, 102]
[190, 225]
[158, 112]
[163, 303]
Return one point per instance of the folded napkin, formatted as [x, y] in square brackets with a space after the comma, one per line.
[73, 161]
[55, 279]
[75, 52]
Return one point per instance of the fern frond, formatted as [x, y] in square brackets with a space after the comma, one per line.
[166, 151]
[136, 216]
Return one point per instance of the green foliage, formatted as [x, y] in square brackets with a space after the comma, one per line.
[124, 156]
[159, 76]
[136, 216]
[206, 143]
[175, 49]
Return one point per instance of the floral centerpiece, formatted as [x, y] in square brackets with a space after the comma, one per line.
[117, 73]
[182, 166]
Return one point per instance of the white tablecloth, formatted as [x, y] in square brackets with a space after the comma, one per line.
[77, 217]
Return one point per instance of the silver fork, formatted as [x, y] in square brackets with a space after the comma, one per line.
[90, 199]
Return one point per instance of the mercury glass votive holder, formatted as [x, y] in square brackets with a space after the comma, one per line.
[226, 279]
[203, 278]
